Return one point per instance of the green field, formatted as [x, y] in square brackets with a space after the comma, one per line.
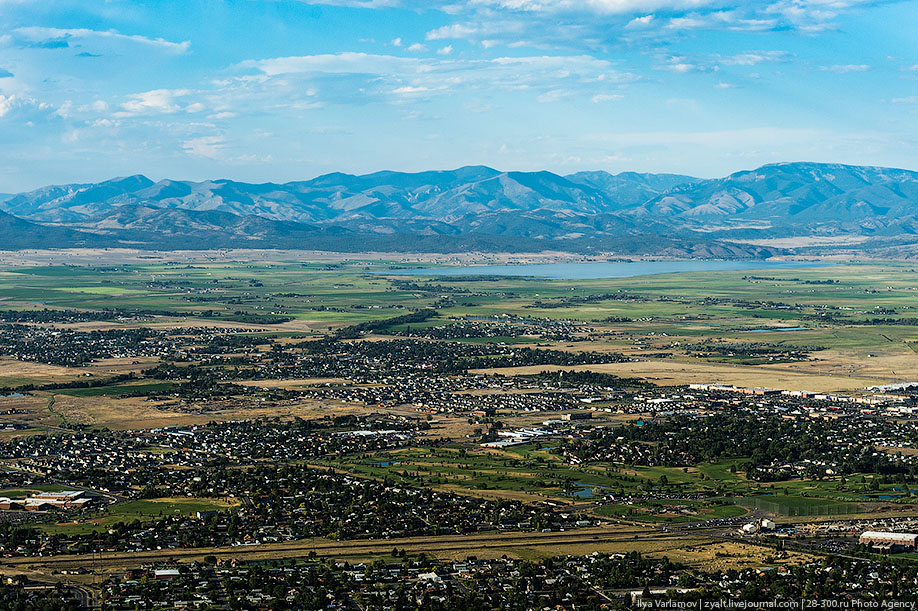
[684, 304]
[17, 493]
[118, 389]
[142, 510]
[674, 512]
[526, 469]
[639, 316]
[800, 506]
[534, 470]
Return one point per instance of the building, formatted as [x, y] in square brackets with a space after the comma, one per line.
[888, 540]
[7, 503]
[65, 499]
[576, 416]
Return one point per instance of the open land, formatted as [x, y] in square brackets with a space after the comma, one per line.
[261, 407]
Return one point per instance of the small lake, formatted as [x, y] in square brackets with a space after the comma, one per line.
[587, 490]
[604, 269]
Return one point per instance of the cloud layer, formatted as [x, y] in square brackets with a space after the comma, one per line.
[285, 89]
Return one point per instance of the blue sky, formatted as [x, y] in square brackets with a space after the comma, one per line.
[278, 90]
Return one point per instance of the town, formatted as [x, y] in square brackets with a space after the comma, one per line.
[161, 458]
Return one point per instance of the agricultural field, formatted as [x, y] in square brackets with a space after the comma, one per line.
[651, 318]
[207, 377]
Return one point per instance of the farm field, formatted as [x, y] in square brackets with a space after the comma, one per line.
[641, 316]
[216, 371]
[801, 506]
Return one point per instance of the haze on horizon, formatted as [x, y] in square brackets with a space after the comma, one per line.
[279, 90]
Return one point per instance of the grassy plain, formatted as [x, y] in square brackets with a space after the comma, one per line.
[533, 472]
[142, 510]
[671, 310]
[697, 551]
[832, 311]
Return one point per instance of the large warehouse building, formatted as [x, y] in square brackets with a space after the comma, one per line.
[888, 540]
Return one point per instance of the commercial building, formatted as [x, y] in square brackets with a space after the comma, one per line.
[888, 540]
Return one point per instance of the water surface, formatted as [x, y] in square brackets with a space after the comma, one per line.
[604, 269]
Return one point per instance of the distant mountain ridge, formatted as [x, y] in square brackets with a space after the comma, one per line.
[477, 204]
[796, 195]
[438, 195]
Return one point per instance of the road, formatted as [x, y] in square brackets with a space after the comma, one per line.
[355, 549]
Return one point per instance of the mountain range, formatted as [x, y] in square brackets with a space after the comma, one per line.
[476, 208]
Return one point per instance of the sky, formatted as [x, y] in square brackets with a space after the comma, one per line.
[281, 90]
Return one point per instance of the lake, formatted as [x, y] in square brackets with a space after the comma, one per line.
[605, 269]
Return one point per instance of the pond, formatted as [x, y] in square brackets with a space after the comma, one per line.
[587, 490]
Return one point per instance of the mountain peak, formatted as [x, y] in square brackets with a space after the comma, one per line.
[793, 197]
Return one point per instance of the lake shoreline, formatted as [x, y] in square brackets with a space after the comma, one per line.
[593, 270]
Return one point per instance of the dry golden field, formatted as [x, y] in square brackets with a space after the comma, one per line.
[667, 372]
[694, 550]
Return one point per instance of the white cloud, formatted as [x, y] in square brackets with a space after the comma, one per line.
[344, 63]
[11, 102]
[640, 22]
[97, 106]
[606, 97]
[6, 104]
[210, 147]
[445, 50]
[454, 31]
[43, 34]
[847, 68]
[365, 78]
[686, 23]
[586, 24]
[754, 58]
[604, 7]
[714, 63]
[156, 101]
[396, 42]
[678, 64]
[65, 110]
[552, 96]
[416, 48]
[409, 90]
[356, 3]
